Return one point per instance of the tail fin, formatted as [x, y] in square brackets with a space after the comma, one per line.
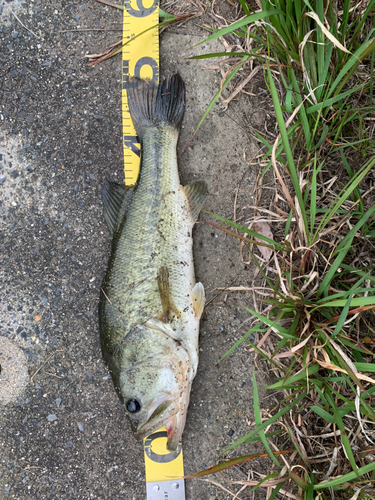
[152, 105]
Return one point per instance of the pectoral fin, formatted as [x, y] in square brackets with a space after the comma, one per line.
[196, 194]
[199, 298]
[116, 199]
[169, 309]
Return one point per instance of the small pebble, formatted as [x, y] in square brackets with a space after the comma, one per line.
[52, 417]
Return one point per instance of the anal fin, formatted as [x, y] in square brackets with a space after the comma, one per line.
[116, 199]
[199, 298]
[196, 193]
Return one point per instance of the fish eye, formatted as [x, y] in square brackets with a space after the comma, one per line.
[133, 406]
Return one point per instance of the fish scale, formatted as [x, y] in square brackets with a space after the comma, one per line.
[139, 240]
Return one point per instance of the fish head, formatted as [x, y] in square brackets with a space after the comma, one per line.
[156, 392]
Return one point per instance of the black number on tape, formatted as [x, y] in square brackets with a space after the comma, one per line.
[142, 10]
[155, 457]
[131, 141]
[147, 61]
[143, 61]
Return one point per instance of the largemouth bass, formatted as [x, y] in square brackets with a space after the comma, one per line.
[150, 304]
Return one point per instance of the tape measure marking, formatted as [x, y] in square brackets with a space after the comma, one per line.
[140, 59]
[161, 464]
[162, 468]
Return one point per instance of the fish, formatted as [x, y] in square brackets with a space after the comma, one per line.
[150, 303]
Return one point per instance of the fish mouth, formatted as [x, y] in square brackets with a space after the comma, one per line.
[157, 416]
[176, 423]
[174, 432]
[175, 427]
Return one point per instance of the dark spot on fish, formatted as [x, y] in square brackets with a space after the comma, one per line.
[161, 234]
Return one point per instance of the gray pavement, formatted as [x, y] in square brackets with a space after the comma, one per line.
[63, 432]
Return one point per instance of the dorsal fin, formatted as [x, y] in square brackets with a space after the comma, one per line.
[196, 194]
[116, 199]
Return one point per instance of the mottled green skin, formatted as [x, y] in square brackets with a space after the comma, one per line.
[155, 232]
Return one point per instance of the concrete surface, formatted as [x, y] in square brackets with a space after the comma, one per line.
[66, 435]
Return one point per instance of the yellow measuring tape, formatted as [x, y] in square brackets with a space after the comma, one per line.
[162, 467]
[140, 58]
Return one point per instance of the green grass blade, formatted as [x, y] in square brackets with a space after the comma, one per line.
[264, 356]
[310, 491]
[345, 478]
[244, 229]
[275, 491]
[283, 331]
[345, 194]
[258, 422]
[365, 367]
[320, 46]
[164, 14]
[363, 18]
[270, 421]
[313, 198]
[245, 7]
[288, 151]
[302, 111]
[297, 446]
[332, 270]
[288, 223]
[356, 302]
[333, 100]
[344, 438]
[342, 319]
[216, 97]
[302, 375]
[364, 50]
[255, 328]
[324, 74]
[323, 414]
[356, 191]
[241, 23]
[210, 55]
